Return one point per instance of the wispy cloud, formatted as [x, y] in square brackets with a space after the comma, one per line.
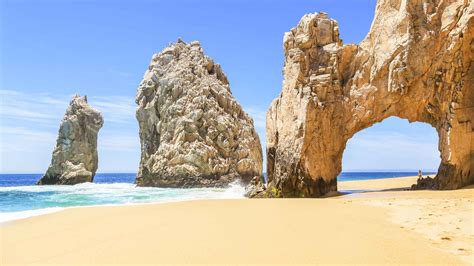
[37, 108]
[123, 74]
[116, 109]
[23, 139]
[27, 132]
[120, 143]
[258, 115]
[391, 150]
[29, 124]
[48, 109]
[394, 140]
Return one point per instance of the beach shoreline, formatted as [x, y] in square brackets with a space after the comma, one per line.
[345, 187]
[233, 191]
[391, 226]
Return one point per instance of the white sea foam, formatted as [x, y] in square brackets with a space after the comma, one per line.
[10, 216]
[25, 201]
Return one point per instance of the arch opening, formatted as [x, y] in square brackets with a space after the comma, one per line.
[391, 148]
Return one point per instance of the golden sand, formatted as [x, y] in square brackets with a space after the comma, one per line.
[373, 227]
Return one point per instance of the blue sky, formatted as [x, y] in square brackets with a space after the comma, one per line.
[53, 49]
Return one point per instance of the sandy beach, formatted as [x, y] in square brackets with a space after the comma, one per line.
[391, 226]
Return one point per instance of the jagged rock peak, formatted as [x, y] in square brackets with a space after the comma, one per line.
[75, 158]
[313, 30]
[193, 133]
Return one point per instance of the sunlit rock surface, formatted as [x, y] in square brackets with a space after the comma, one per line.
[193, 133]
[415, 63]
[75, 157]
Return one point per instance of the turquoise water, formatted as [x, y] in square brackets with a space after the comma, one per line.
[20, 197]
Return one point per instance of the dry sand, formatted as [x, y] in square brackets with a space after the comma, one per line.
[431, 227]
[445, 218]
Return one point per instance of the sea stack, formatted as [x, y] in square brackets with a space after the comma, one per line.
[75, 157]
[193, 133]
[415, 63]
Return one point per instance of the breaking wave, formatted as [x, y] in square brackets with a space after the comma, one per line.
[20, 202]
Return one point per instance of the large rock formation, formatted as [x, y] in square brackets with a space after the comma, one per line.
[75, 155]
[192, 131]
[415, 63]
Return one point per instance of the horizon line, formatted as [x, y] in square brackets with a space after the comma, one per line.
[346, 171]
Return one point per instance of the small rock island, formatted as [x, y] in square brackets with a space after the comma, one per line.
[193, 133]
[75, 157]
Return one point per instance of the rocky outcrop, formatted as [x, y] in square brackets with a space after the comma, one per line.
[75, 155]
[255, 187]
[415, 63]
[193, 133]
[425, 183]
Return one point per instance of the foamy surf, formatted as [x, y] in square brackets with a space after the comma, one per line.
[10, 216]
[25, 201]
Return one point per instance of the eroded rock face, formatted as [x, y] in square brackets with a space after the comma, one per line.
[75, 157]
[193, 133]
[415, 63]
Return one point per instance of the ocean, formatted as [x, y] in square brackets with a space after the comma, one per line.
[21, 198]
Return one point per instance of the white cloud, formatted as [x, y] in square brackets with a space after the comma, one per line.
[30, 122]
[119, 143]
[26, 132]
[258, 116]
[21, 139]
[115, 109]
[391, 150]
[45, 108]
[123, 74]
[35, 108]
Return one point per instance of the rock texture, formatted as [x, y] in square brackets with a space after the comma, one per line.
[415, 63]
[75, 155]
[193, 132]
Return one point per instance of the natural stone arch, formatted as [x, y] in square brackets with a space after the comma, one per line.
[415, 63]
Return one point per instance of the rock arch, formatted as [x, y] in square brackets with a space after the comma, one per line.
[415, 63]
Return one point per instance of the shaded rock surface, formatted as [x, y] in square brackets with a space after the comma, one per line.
[415, 63]
[256, 187]
[75, 157]
[425, 183]
[193, 133]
